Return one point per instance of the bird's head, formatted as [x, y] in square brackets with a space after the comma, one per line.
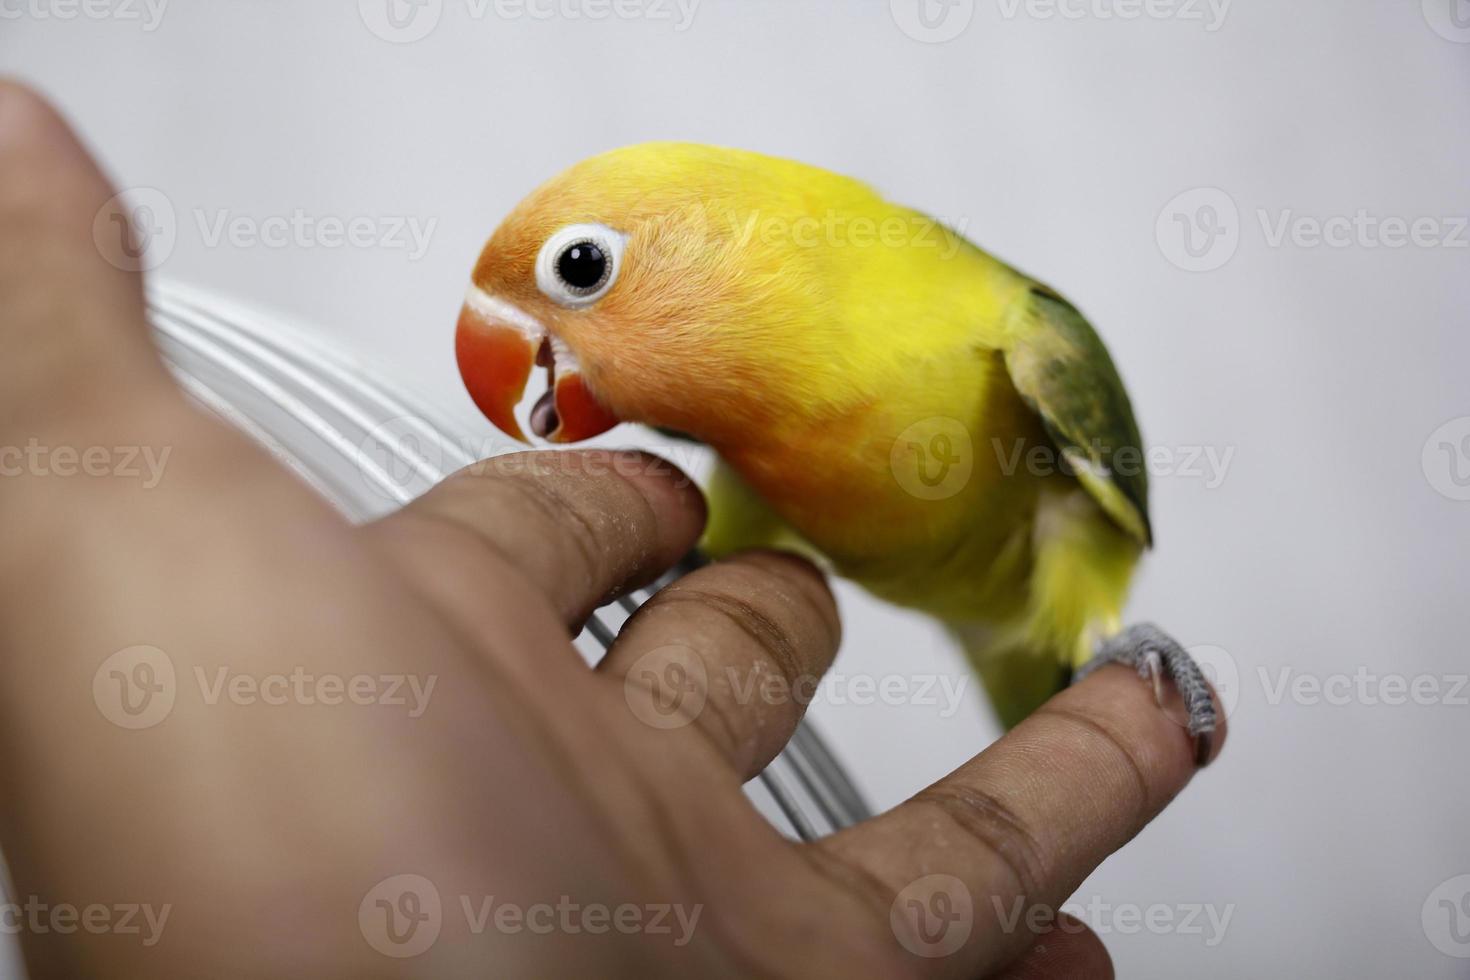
[645, 281]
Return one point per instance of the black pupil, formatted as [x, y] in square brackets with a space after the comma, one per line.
[582, 266]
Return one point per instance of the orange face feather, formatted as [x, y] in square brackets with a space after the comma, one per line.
[748, 312]
[706, 329]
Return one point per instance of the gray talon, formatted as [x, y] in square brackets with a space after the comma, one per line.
[1152, 652]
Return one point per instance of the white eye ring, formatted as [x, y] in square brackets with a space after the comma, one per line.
[549, 280]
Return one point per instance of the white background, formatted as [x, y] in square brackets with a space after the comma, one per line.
[1331, 544]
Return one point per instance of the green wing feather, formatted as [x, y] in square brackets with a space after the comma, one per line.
[676, 435]
[1061, 368]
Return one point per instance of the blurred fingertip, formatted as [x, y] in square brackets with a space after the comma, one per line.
[1068, 950]
[28, 119]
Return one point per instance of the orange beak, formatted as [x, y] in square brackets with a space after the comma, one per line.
[497, 346]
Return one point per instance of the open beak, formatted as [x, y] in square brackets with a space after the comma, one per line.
[498, 345]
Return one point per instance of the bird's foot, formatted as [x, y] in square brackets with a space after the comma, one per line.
[1155, 654]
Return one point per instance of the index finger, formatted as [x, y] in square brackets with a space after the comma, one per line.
[1021, 825]
[582, 526]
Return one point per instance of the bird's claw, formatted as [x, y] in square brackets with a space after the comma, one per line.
[1155, 654]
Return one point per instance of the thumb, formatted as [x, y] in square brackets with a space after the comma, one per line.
[71, 315]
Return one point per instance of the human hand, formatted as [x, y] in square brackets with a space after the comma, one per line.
[278, 835]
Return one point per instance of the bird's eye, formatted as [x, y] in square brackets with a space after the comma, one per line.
[582, 266]
[579, 264]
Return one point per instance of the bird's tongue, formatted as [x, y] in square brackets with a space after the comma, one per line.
[544, 418]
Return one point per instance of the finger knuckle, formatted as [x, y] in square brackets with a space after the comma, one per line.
[992, 824]
[536, 501]
[808, 588]
[851, 877]
[1104, 741]
[774, 641]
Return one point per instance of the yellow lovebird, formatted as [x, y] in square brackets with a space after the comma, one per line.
[936, 426]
